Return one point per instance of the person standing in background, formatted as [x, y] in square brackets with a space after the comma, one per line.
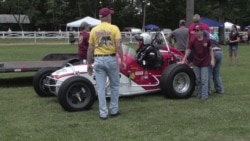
[214, 35]
[234, 38]
[248, 35]
[180, 35]
[83, 42]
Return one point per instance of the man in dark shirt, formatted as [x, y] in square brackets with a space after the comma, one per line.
[180, 35]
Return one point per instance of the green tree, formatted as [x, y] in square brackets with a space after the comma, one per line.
[17, 8]
[53, 14]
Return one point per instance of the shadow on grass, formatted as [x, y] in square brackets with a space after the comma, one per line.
[16, 82]
[152, 94]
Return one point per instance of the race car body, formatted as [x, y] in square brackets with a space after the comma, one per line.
[150, 68]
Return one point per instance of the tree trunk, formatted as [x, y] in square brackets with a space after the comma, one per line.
[189, 11]
[222, 4]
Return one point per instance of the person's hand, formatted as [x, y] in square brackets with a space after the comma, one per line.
[181, 62]
[124, 65]
[90, 69]
[212, 63]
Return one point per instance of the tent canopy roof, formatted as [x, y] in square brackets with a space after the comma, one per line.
[89, 20]
[228, 25]
[211, 23]
[152, 27]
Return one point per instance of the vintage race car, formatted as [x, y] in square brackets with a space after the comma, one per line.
[150, 68]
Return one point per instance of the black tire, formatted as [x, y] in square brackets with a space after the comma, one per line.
[178, 81]
[39, 80]
[72, 61]
[71, 96]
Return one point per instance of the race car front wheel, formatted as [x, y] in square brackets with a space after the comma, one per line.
[178, 81]
[76, 93]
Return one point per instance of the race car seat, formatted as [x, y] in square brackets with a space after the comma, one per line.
[149, 57]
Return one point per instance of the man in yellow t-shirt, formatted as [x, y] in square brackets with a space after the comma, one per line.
[104, 43]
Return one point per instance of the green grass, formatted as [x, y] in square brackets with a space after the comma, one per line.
[32, 52]
[25, 116]
[33, 41]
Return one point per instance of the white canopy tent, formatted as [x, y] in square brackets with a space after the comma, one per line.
[89, 20]
[228, 25]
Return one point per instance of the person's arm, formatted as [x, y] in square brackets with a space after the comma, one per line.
[238, 38]
[235, 41]
[212, 56]
[90, 54]
[217, 37]
[120, 52]
[189, 36]
[169, 38]
[187, 52]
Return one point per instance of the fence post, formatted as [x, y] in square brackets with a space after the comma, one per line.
[22, 35]
[35, 37]
[130, 36]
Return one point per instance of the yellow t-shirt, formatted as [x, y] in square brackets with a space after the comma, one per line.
[103, 38]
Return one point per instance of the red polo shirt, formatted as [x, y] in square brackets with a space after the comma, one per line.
[201, 50]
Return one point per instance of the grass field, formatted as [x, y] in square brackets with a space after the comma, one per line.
[9, 41]
[24, 116]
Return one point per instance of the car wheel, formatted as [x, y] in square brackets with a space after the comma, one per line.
[76, 94]
[178, 81]
[40, 79]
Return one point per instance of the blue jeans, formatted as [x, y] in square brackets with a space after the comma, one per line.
[232, 48]
[104, 67]
[201, 74]
[214, 73]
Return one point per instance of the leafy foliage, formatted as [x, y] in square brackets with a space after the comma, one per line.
[54, 14]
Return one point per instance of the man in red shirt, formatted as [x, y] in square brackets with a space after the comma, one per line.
[203, 58]
[83, 42]
[196, 21]
[192, 34]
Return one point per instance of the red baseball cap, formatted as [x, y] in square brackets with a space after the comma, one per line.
[103, 12]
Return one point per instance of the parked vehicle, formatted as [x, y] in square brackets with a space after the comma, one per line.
[54, 60]
[150, 68]
[132, 31]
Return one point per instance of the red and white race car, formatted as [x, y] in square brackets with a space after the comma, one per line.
[150, 68]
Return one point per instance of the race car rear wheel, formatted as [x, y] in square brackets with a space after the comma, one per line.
[40, 79]
[178, 81]
[76, 94]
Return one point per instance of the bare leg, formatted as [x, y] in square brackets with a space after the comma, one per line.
[236, 57]
[230, 57]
